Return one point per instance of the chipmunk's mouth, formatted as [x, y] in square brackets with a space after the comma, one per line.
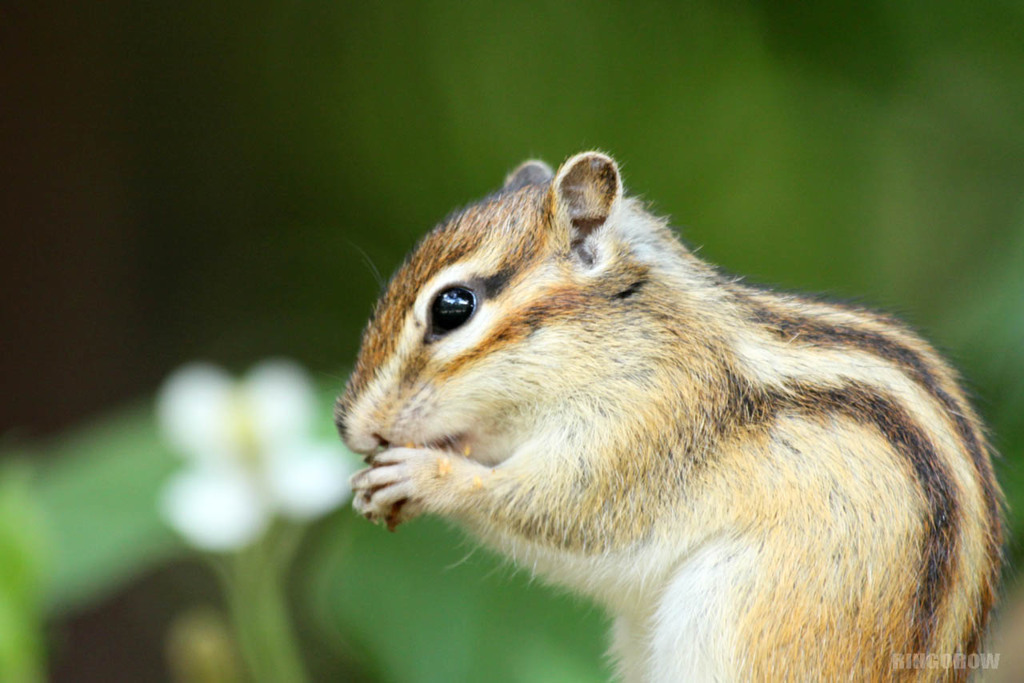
[457, 444]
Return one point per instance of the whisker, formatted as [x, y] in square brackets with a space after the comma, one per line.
[369, 264]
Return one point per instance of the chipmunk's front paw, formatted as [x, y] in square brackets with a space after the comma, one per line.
[400, 483]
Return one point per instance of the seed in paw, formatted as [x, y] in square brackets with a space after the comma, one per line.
[478, 483]
[392, 518]
[444, 466]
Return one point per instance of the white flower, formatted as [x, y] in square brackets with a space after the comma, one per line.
[251, 455]
[215, 508]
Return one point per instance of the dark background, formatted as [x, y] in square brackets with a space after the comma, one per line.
[213, 180]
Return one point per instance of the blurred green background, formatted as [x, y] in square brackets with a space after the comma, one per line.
[211, 180]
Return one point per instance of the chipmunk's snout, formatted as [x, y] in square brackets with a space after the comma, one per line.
[379, 444]
[364, 444]
[359, 435]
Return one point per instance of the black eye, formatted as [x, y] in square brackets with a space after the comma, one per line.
[451, 308]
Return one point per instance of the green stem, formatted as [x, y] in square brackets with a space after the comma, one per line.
[257, 600]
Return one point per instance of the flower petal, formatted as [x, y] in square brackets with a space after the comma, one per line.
[214, 508]
[194, 410]
[310, 480]
[281, 400]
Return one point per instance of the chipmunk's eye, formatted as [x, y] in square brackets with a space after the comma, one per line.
[452, 307]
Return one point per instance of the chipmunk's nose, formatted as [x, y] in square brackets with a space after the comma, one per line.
[358, 435]
[362, 427]
[341, 415]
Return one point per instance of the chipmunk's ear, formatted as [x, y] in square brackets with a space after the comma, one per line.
[586, 189]
[532, 172]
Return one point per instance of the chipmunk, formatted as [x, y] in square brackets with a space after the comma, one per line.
[757, 486]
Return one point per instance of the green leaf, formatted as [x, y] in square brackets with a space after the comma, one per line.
[429, 607]
[99, 491]
[23, 562]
